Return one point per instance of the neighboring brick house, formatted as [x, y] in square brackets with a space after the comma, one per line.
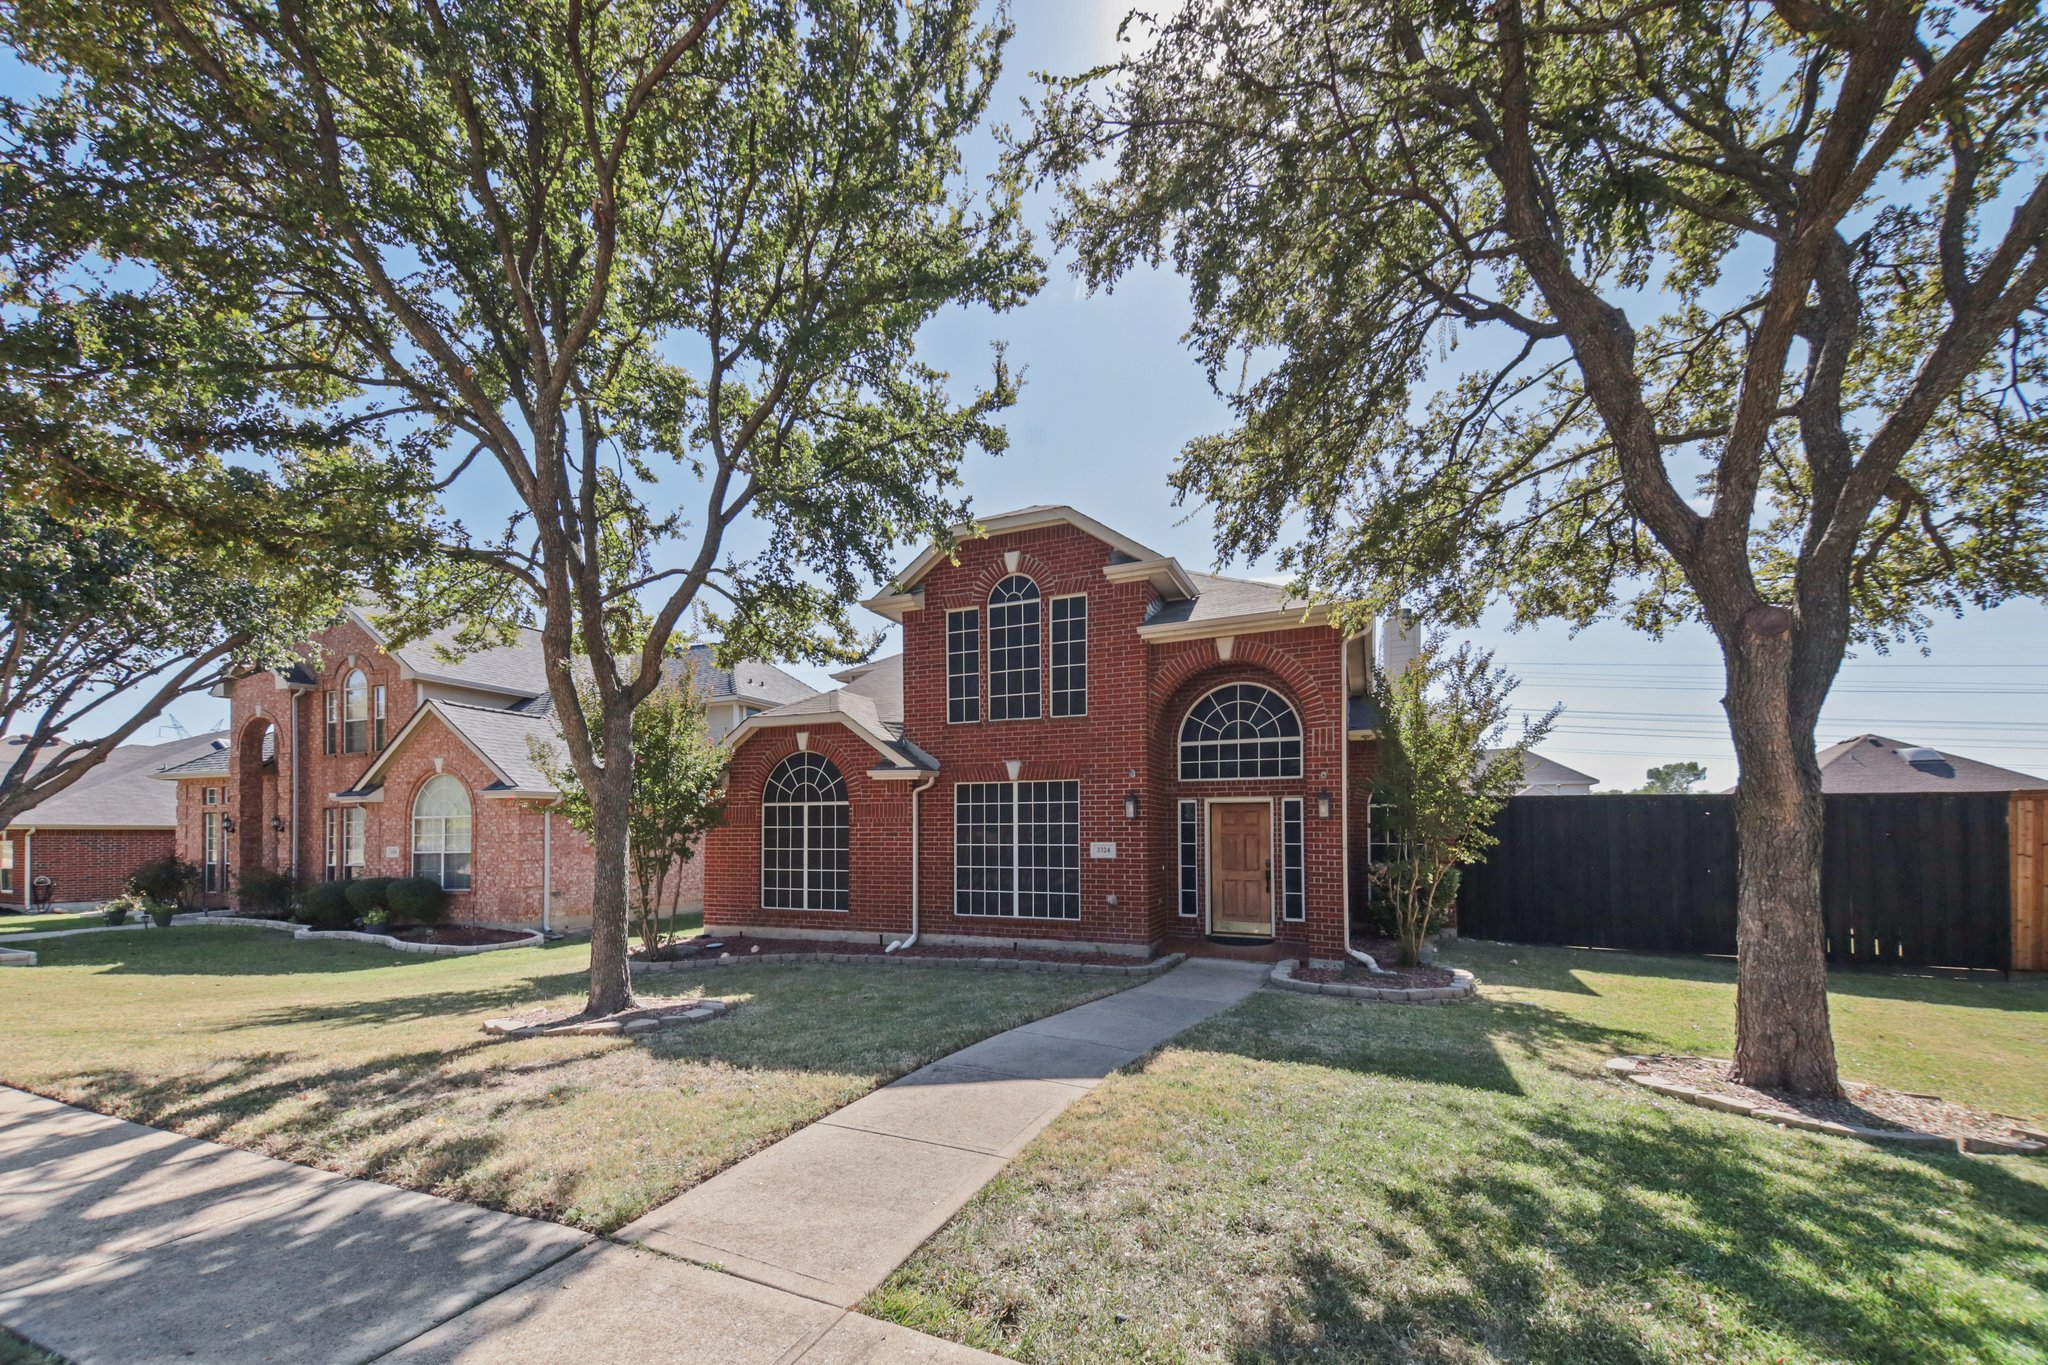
[1082, 743]
[371, 760]
[89, 838]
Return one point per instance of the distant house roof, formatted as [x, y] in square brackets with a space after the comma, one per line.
[749, 680]
[1539, 771]
[118, 794]
[1872, 765]
[871, 706]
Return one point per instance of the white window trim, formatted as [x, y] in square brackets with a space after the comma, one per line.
[1016, 851]
[1180, 746]
[1050, 666]
[1209, 803]
[805, 863]
[1188, 811]
[1299, 806]
[413, 847]
[980, 664]
[988, 672]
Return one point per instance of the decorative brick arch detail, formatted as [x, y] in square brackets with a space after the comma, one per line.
[1051, 582]
[255, 799]
[1176, 686]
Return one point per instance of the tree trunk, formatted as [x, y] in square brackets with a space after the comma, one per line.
[611, 978]
[1782, 1038]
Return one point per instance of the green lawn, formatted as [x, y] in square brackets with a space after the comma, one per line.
[36, 924]
[370, 1062]
[1306, 1179]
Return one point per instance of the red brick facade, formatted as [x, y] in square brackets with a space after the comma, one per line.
[1138, 692]
[516, 847]
[82, 864]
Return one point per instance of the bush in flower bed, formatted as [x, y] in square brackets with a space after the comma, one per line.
[264, 894]
[324, 905]
[167, 879]
[416, 900]
[366, 898]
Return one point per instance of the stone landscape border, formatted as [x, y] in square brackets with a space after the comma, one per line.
[1631, 1067]
[531, 938]
[984, 964]
[17, 957]
[1463, 987]
[702, 1013]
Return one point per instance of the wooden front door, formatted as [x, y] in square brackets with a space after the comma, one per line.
[1241, 868]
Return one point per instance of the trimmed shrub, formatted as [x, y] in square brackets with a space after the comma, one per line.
[324, 905]
[417, 900]
[266, 894]
[170, 879]
[366, 896]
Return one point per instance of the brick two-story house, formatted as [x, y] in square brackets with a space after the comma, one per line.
[370, 759]
[1082, 744]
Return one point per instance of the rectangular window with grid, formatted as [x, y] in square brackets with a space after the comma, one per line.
[1017, 849]
[212, 856]
[1013, 653]
[1293, 876]
[804, 856]
[6, 864]
[333, 705]
[963, 666]
[1070, 656]
[1190, 874]
[377, 699]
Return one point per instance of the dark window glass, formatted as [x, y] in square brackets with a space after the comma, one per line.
[963, 666]
[804, 836]
[1190, 877]
[1293, 880]
[1013, 649]
[1017, 849]
[1242, 730]
[1070, 656]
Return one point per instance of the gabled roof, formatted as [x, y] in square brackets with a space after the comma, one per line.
[750, 680]
[118, 793]
[1872, 764]
[1538, 771]
[1223, 604]
[1023, 519]
[503, 737]
[871, 706]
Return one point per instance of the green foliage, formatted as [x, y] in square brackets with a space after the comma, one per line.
[417, 900]
[117, 910]
[678, 792]
[367, 896]
[161, 914]
[1443, 774]
[169, 879]
[324, 905]
[263, 893]
[1673, 778]
[659, 264]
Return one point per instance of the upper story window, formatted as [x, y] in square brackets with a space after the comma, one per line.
[1240, 730]
[804, 835]
[441, 832]
[377, 717]
[1070, 656]
[963, 665]
[1013, 649]
[355, 713]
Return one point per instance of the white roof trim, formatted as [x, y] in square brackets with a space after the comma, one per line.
[1165, 574]
[1009, 522]
[356, 796]
[895, 605]
[1255, 624]
[398, 740]
[881, 743]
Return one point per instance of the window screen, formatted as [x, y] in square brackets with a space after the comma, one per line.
[1070, 656]
[1242, 730]
[1190, 875]
[1017, 849]
[963, 666]
[1293, 877]
[804, 836]
[1013, 649]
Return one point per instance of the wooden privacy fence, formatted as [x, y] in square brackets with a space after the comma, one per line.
[1947, 881]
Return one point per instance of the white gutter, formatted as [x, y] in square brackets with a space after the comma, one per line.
[292, 848]
[1344, 775]
[915, 792]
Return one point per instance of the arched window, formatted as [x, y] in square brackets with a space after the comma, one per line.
[804, 835]
[355, 713]
[440, 832]
[1240, 730]
[1013, 649]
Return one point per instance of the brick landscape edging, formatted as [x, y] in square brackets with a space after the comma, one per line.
[1463, 988]
[987, 964]
[17, 957]
[532, 939]
[1631, 1067]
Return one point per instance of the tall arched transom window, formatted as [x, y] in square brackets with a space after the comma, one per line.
[355, 713]
[1240, 730]
[804, 835]
[1013, 649]
[440, 832]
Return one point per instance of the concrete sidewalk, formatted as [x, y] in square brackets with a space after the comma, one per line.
[830, 1210]
[120, 1243]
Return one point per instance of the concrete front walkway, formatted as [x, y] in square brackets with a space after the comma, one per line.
[120, 1243]
[830, 1210]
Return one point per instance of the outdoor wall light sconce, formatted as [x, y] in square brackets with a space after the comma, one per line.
[1130, 805]
[227, 824]
[277, 824]
[1323, 804]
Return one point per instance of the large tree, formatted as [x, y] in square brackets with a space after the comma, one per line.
[1673, 310]
[657, 266]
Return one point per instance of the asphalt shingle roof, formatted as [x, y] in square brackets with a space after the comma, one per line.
[1873, 765]
[119, 793]
[506, 738]
[1217, 597]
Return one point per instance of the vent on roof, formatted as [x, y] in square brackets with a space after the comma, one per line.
[1922, 755]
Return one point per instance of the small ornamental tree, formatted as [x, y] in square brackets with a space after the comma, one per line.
[1443, 774]
[678, 793]
[1673, 779]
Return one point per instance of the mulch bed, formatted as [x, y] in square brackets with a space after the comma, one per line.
[739, 945]
[461, 935]
[1862, 1106]
[1393, 978]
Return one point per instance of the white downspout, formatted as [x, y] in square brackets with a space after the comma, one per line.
[292, 848]
[915, 860]
[547, 865]
[28, 871]
[1344, 775]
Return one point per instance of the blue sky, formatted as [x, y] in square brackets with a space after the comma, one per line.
[1110, 395]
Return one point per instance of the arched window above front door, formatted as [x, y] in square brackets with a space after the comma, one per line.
[1240, 730]
[441, 832]
[804, 827]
